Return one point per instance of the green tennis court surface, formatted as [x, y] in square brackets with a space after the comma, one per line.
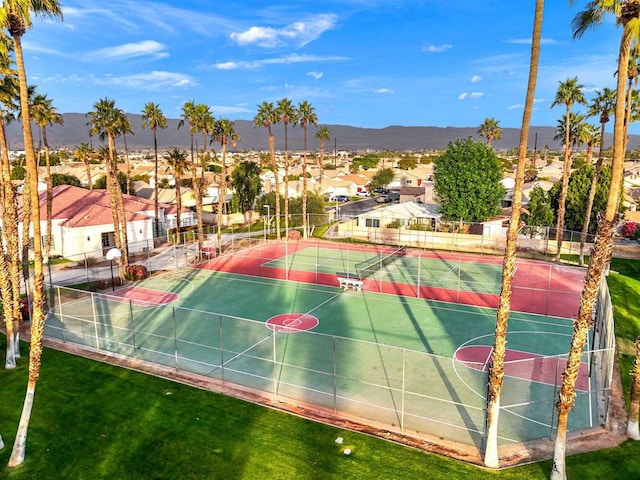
[384, 358]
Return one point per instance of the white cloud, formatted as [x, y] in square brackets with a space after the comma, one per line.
[298, 33]
[436, 48]
[155, 80]
[316, 75]
[476, 79]
[290, 59]
[130, 50]
[466, 95]
[230, 110]
[383, 90]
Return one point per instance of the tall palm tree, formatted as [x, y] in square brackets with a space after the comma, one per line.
[569, 93]
[187, 116]
[203, 122]
[43, 113]
[107, 122]
[266, 117]
[10, 286]
[286, 114]
[490, 129]
[306, 115]
[15, 16]
[84, 153]
[322, 135]
[125, 127]
[496, 373]
[178, 164]
[153, 118]
[224, 132]
[632, 79]
[627, 15]
[601, 106]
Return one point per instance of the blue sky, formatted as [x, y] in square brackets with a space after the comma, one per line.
[366, 63]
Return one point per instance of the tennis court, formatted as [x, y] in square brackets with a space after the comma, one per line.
[400, 361]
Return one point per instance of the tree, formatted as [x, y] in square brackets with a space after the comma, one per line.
[467, 181]
[267, 115]
[490, 129]
[43, 113]
[153, 118]
[203, 122]
[107, 122]
[85, 154]
[577, 193]
[246, 182]
[569, 93]
[286, 113]
[15, 16]
[178, 164]
[306, 116]
[64, 179]
[627, 15]
[539, 211]
[382, 178]
[496, 372]
[224, 132]
[601, 106]
[322, 134]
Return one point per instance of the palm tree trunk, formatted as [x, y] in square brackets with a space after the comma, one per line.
[156, 221]
[633, 432]
[114, 192]
[305, 233]
[600, 255]
[38, 318]
[321, 165]
[222, 191]
[87, 165]
[276, 181]
[496, 372]
[592, 195]
[178, 202]
[286, 180]
[566, 173]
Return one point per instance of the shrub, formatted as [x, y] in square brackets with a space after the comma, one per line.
[136, 272]
[630, 230]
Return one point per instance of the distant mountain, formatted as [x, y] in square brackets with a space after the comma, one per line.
[343, 137]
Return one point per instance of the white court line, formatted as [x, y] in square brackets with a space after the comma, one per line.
[246, 350]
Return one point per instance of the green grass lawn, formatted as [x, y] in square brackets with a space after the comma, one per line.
[96, 421]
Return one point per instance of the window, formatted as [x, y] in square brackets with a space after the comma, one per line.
[106, 239]
[372, 222]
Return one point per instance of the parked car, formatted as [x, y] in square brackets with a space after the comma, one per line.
[383, 199]
[339, 198]
[363, 193]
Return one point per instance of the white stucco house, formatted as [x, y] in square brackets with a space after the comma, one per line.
[402, 214]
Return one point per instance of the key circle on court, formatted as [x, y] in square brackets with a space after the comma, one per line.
[292, 322]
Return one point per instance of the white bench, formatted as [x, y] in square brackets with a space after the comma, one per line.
[348, 282]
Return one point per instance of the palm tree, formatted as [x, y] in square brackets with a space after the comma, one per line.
[15, 16]
[107, 122]
[628, 16]
[125, 127]
[84, 153]
[322, 135]
[43, 113]
[602, 106]
[203, 122]
[490, 130]
[187, 116]
[266, 117]
[178, 164]
[286, 114]
[10, 287]
[306, 116]
[153, 118]
[496, 373]
[632, 78]
[224, 132]
[569, 93]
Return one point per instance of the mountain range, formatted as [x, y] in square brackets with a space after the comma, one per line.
[75, 131]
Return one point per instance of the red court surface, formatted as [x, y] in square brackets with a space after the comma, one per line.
[292, 322]
[144, 296]
[538, 287]
[523, 365]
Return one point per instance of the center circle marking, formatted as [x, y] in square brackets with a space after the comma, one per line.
[292, 322]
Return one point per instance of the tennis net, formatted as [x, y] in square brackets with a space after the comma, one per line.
[369, 267]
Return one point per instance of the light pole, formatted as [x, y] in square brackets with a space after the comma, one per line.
[268, 222]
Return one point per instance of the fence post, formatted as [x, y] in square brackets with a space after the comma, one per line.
[335, 376]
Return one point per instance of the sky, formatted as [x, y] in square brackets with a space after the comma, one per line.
[365, 63]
